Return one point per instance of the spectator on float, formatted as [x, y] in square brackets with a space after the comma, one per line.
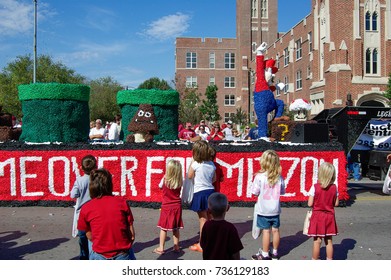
[254, 131]
[115, 129]
[216, 134]
[187, 133]
[228, 135]
[202, 122]
[246, 133]
[202, 132]
[98, 132]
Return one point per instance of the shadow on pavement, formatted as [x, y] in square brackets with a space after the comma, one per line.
[340, 250]
[9, 250]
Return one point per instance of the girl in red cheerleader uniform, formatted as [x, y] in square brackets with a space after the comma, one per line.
[323, 198]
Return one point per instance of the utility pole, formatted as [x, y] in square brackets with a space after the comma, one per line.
[35, 42]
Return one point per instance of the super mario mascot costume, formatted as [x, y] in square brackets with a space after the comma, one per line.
[264, 101]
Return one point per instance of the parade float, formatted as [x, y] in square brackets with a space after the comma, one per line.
[41, 167]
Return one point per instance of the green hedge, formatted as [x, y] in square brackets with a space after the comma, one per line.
[165, 106]
[55, 112]
[54, 91]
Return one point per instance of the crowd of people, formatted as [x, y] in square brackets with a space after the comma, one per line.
[216, 132]
[104, 222]
[111, 131]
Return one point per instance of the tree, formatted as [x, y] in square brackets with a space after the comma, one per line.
[20, 72]
[387, 93]
[209, 107]
[188, 106]
[155, 83]
[240, 116]
[103, 99]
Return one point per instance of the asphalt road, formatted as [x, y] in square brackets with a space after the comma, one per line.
[44, 233]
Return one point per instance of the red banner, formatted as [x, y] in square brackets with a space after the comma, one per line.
[49, 175]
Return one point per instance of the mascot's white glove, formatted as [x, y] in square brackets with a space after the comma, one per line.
[281, 86]
[262, 49]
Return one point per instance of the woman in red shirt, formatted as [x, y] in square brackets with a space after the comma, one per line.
[216, 133]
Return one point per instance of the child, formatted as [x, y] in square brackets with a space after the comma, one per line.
[219, 170]
[81, 192]
[268, 185]
[171, 209]
[202, 170]
[220, 239]
[107, 220]
[323, 198]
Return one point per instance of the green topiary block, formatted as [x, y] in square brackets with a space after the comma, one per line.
[165, 106]
[54, 112]
[54, 91]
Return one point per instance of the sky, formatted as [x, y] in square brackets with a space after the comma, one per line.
[128, 40]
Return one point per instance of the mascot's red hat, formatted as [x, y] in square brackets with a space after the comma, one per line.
[270, 64]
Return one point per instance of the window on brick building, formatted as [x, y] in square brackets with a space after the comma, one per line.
[229, 82]
[254, 8]
[371, 21]
[278, 91]
[368, 21]
[212, 60]
[299, 80]
[228, 117]
[191, 82]
[278, 61]
[286, 56]
[371, 61]
[191, 60]
[374, 21]
[298, 49]
[212, 81]
[310, 41]
[229, 100]
[263, 8]
[254, 47]
[229, 61]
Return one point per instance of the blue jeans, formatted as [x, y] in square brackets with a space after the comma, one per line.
[83, 244]
[120, 257]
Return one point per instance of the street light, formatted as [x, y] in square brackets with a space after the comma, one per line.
[35, 42]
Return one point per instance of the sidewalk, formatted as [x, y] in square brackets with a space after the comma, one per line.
[43, 233]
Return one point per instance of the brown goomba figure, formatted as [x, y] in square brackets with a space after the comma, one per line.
[143, 125]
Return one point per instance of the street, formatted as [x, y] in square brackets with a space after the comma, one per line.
[44, 233]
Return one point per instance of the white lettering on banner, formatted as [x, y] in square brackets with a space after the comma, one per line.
[250, 175]
[292, 168]
[299, 167]
[75, 167]
[238, 165]
[67, 171]
[11, 163]
[101, 163]
[303, 173]
[24, 176]
[128, 174]
[149, 173]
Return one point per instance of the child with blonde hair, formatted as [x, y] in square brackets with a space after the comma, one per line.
[323, 198]
[171, 208]
[268, 185]
[203, 170]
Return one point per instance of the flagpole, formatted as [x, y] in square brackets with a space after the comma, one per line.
[35, 42]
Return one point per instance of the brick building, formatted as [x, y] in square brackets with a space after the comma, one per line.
[340, 52]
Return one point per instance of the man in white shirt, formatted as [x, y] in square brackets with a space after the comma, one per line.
[115, 129]
[228, 131]
[97, 132]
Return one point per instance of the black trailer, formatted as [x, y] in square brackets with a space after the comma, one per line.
[346, 124]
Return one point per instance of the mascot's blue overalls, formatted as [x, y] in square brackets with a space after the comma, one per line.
[264, 101]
